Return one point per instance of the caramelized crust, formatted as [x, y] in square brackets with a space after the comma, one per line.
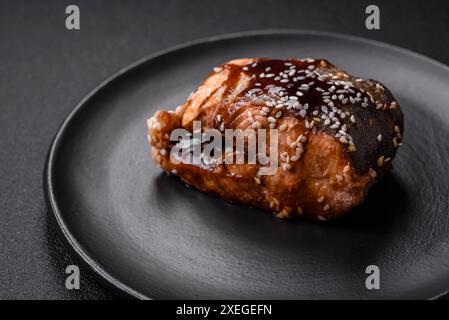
[337, 134]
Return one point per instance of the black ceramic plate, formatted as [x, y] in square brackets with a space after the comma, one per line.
[152, 237]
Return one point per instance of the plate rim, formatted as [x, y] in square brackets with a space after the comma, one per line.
[48, 183]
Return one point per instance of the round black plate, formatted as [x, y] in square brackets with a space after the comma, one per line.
[152, 237]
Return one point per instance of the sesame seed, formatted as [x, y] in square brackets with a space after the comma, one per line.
[294, 158]
[326, 207]
[320, 199]
[217, 69]
[380, 161]
[309, 125]
[255, 125]
[379, 138]
[282, 127]
[157, 126]
[257, 180]
[299, 210]
[335, 126]
[395, 143]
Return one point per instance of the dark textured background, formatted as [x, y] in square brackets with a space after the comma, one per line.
[45, 70]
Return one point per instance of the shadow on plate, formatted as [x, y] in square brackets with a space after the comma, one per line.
[386, 203]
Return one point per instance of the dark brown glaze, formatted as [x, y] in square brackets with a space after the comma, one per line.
[374, 109]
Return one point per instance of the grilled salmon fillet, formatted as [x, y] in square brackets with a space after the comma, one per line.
[337, 135]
